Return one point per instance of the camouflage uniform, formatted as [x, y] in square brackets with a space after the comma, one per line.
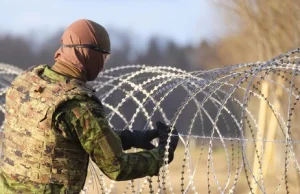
[52, 125]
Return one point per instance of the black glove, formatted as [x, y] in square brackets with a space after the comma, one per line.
[163, 134]
[138, 139]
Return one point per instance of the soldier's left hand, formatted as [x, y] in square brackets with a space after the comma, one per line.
[138, 139]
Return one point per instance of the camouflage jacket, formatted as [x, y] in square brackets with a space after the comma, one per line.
[82, 122]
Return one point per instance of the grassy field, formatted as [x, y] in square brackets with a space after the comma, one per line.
[203, 182]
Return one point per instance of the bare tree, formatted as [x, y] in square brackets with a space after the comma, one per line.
[263, 29]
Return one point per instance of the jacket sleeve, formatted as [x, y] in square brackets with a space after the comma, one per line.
[87, 121]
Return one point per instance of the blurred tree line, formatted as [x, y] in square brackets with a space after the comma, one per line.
[24, 52]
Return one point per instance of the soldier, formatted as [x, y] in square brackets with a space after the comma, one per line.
[54, 123]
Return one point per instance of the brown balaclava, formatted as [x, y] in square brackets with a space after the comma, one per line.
[81, 62]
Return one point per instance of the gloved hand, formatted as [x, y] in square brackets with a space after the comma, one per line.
[138, 139]
[163, 134]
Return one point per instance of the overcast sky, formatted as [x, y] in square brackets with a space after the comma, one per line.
[185, 21]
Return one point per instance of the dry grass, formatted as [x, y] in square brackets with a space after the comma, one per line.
[200, 178]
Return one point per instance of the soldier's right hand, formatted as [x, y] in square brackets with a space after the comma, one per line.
[164, 131]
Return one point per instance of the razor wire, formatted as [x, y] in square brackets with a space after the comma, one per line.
[223, 139]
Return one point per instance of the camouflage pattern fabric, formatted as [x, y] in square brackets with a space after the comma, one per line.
[52, 125]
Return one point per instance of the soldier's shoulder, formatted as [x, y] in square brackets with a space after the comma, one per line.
[75, 109]
[36, 68]
[84, 104]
